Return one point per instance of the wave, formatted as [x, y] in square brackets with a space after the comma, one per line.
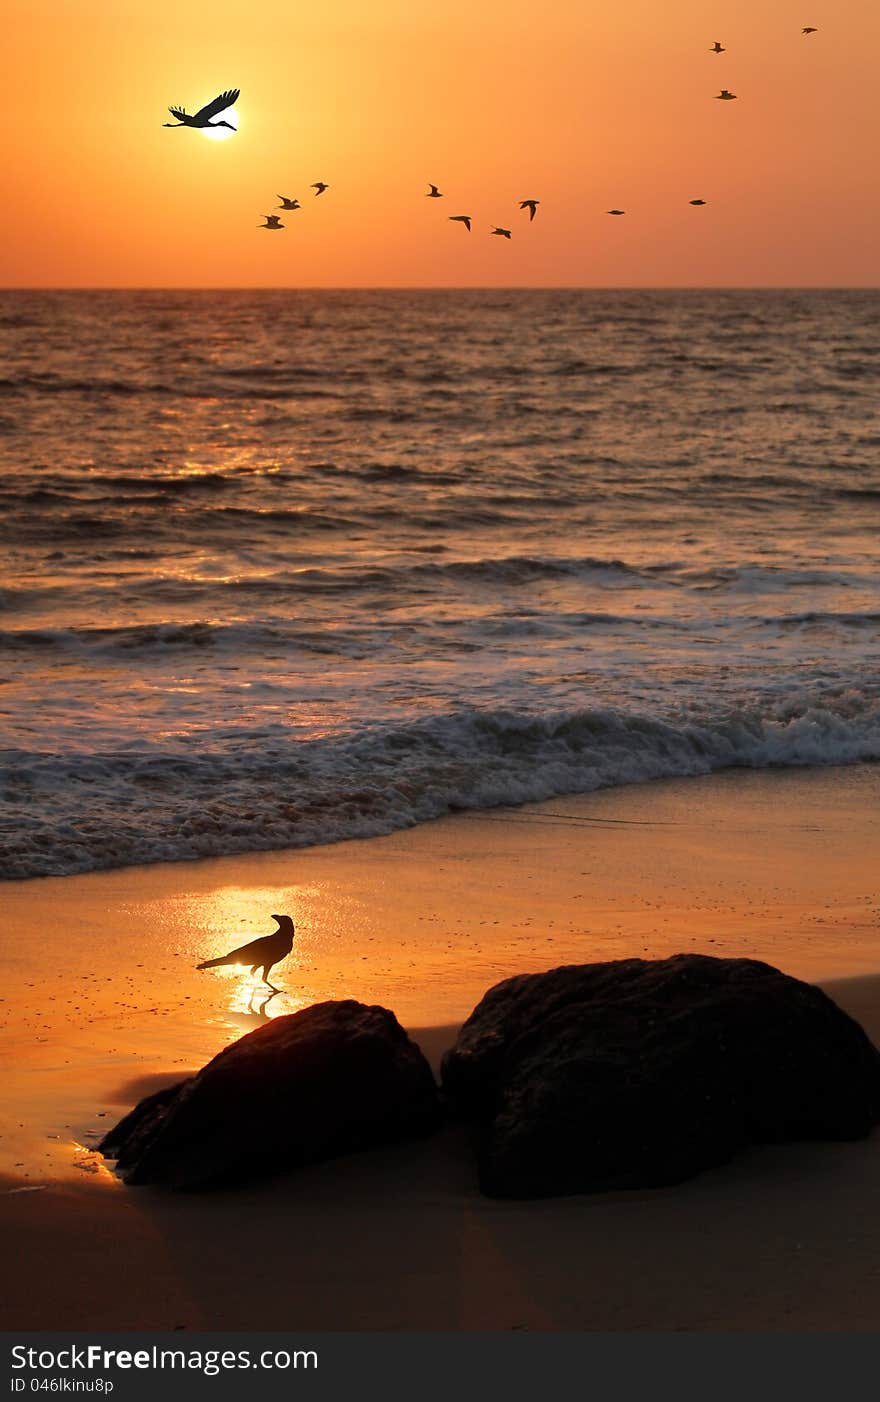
[505, 570]
[158, 524]
[770, 579]
[815, 618]
[366, 636]
[509, 571]
[85, 812]
[870, 493]
[159, 639]
[51, 383]
[255, 383]
[79, 486]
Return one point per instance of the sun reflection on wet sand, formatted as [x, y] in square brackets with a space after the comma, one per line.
[251, 1003]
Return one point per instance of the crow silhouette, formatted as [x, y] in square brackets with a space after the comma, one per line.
[261, 953]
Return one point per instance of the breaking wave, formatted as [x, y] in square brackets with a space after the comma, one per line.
[270, 791]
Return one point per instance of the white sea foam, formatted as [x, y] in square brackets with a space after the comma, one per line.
[84, 812]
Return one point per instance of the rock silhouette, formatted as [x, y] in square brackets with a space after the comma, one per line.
[638, 1073]
[331, 1079]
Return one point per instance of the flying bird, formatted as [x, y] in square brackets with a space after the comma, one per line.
[505, 233]
[717, 48]
[615, 211]
[319, 187]
[273, 221]
[531, 206]
[287, 203]
[202, 118]
[464, 219]
[696, 201]
[261, 953]
[433, 193]
[725, 96]
[809, 29]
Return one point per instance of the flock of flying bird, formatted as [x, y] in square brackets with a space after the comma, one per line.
[204, 118]
[273, 221]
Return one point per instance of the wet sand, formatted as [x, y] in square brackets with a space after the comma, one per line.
[102, 1004]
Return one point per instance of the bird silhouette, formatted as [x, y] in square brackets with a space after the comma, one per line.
[505, 233]
[464, 219]
[696, 201]
[717, 48]
[273, 221]
[615, 211]
[809, 29]
[433, 193]
[260, 953]
[319, 187]
[202, 118]
[288, 203]
[725, 96]
[531, 206]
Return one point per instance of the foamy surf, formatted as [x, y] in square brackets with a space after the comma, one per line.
[87, 812]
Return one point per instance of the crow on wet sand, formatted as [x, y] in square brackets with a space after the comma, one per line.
[260, 953]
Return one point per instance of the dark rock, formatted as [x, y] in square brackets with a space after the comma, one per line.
[330, 1079]
[638, 1073]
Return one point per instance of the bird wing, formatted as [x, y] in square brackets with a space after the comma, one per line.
[178, 112]
[264, 947]
[225, 100]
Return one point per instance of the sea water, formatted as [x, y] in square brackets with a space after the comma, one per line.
[286, 567]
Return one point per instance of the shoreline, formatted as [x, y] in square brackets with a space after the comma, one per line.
[530, 808]
[393, 800]
[103, 1004]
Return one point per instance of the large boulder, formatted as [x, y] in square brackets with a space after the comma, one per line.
[335, 1077]
[638, 1073]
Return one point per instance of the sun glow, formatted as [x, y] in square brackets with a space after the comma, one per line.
[223, 133]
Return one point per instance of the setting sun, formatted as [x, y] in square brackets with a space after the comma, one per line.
[223, 133]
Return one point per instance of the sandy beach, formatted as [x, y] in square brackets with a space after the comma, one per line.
[780, 866]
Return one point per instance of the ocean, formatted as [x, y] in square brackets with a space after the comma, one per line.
[288, 567]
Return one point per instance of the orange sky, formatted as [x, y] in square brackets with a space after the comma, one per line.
[586, 105]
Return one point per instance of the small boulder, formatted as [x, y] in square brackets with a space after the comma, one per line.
[638, 1073]
[333, 1078]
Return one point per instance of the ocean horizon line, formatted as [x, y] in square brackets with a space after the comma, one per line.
[455, 287]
